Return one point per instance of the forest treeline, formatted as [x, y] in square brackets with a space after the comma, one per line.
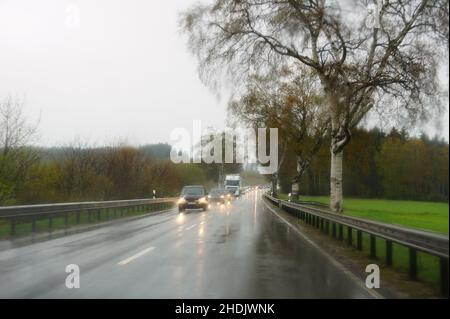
[380, 165]
[377, 164]
[35, 175]
[79, 173]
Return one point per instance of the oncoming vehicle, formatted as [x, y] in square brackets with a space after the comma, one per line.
[193, 197]
[220, 196]
[233, 184]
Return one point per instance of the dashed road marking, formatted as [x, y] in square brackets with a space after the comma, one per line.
[139, 254]
[190, 227]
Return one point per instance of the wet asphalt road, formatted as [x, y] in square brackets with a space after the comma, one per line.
[240, 251]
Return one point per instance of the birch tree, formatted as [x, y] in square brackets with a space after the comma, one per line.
[294, 106]
[366, 55]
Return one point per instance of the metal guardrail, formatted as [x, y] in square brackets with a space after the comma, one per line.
[32, 213]
[415, 240]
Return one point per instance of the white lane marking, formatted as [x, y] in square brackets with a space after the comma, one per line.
[190, 227]
[139, 254]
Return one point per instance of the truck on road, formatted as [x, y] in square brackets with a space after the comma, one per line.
[233, 184]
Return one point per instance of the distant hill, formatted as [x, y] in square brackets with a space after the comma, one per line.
[160, 151]
[156, 151]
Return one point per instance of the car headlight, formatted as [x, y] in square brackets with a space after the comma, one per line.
[202, 200]
[181, 200]
[221, 196]
[209, 196]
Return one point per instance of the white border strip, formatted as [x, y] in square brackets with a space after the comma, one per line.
[336, 263]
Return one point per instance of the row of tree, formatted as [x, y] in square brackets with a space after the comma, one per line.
[380, 165]
[317, 69]
[80, 173]
[390, 165]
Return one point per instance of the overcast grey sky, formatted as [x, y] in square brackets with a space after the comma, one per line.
[124, 73]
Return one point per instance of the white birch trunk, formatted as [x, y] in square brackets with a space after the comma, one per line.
[336, 191]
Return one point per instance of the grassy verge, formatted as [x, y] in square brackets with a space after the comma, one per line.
[43, 224]
[427, 216]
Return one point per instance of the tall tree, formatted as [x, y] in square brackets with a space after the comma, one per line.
[294, 106]
[16, 158]
[387, 62]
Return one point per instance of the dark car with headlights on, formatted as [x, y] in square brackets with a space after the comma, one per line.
[219, 196]
[193, 197]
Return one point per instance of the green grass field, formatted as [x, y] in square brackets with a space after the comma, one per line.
[427, 216]
[421, 215]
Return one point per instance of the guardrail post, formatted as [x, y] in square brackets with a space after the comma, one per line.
[13, 226]
[359, 240]
[349, 236]
[327, 228]
[334, 230]
[78, 217]
[412, 263]
[33, 224]
[321, 224]
[388, 252]
[373, 246]
[341, 232]
[99, 215]
[444, 276]
[107, 214]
